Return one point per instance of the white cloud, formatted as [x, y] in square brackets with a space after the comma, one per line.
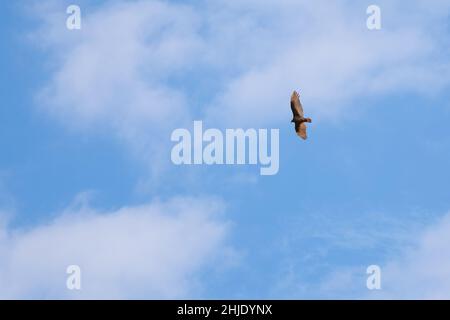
[414, 267]
[149, 251]
[114, 74]
[326, 51]
[412, 251]
[423, 270]
[133, 66]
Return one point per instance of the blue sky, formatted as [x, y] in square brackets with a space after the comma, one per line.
[85, 137]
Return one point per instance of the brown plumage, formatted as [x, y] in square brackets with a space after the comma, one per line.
[298, 118]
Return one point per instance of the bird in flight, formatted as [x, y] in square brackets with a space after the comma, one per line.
[298, 118]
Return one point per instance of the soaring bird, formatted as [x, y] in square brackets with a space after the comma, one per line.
[298, 118]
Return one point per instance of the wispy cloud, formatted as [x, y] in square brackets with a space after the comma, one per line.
[326, 257]
[153, 251]
[114, 74]
[412, 256]
[421, 271]
[134, 64]
[326, 51]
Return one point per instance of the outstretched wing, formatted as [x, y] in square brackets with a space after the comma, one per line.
[296, 106]
[300, 128]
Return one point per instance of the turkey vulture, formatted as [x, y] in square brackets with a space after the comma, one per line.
[298, 118]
